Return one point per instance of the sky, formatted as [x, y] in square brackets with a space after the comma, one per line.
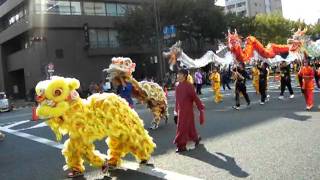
[307, 10]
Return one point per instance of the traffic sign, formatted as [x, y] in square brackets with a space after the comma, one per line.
[169, 31]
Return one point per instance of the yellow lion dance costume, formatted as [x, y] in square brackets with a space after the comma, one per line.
[85, 121]
[146, 92]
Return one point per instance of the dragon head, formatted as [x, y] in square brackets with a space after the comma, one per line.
[234, 39]
[297, 40]
[173, 54]
[55, 95]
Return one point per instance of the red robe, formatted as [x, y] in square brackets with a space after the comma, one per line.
[307, 75]
[186, 130]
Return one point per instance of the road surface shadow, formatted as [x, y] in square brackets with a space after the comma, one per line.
[121, 174]
[222, 161]
[297, 117]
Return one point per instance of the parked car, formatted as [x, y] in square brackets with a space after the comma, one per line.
[5, 105]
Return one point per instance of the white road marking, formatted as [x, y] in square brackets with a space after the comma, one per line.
[16, 124]
[32, 137]
[43, 124]
[155, 172]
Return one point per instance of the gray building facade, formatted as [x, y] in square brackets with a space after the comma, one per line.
[78, 37]
[252, 7]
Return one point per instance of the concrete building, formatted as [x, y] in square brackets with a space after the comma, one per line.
[77, 37]
[252, 7]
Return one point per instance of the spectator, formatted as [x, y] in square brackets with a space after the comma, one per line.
[198, 80]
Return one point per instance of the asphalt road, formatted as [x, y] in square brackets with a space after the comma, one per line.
[279, 140]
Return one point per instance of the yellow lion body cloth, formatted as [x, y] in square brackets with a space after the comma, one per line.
[85, 121]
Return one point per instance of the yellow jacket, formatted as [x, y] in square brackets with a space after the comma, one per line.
[215, 79]
[255, 73]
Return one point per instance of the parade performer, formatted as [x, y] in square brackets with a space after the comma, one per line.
[306, 73]
[87, 120]
[263, 79]
[215, 83]
[225, 78]
[190, 81]
[185, 98]
[198, 78]
[285, 79]
[240, 76]
[149, 93]
[255, 78]
[124, 89]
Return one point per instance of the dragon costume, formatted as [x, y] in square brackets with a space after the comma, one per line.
[145, 92]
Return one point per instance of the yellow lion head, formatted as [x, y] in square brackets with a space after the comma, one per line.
[54, 96]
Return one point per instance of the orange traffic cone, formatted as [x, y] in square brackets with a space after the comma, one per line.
[34, 114]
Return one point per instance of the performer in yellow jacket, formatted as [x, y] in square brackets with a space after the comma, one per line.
[215, 83]
[255, 78]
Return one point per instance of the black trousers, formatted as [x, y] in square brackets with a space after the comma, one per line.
[224, 84]
[286, 82]
[241, 88]
[198, 86]
[262, 90]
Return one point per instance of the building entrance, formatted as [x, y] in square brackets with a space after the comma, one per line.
[17, 87]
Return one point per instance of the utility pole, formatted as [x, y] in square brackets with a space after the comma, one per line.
[159, 55]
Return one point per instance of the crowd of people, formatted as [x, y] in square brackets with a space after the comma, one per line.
[306, 74]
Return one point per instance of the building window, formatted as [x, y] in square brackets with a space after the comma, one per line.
[102, 38]
[113, 38]
[16, 15]
[65, 7]
[100, 9]
[111, 9]
[60, 7]
[93, 38]
[88, 8]
[121, 9]
[75, 8]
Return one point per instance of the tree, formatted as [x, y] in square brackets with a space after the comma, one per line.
[195, 19]
[272, 28]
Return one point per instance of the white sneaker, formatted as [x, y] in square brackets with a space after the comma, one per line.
[236, 107]
[154, 126]
[281, 97]
[291, 96]
[261, 103]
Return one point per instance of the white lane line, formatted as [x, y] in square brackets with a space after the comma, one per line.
[16, 124]
[32, 137]
[155, 172]
[43, 124]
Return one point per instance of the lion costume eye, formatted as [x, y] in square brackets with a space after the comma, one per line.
[57, 92]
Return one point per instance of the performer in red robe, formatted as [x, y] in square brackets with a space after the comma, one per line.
[185, 97]
[306, 73]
